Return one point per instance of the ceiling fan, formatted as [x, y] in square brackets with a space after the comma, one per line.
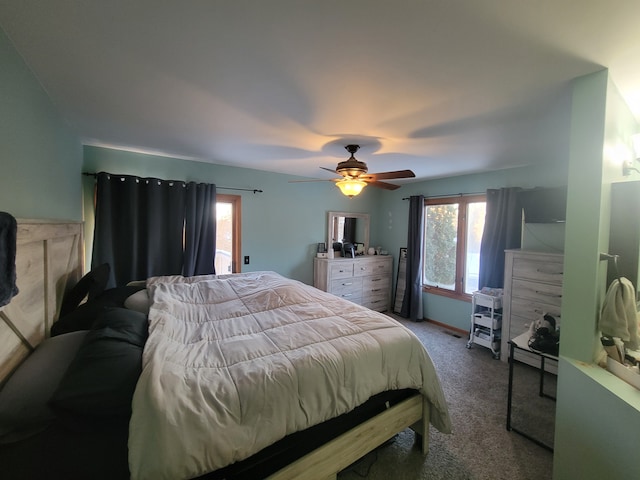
[355, 175]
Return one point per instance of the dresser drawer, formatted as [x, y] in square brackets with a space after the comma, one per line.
[538, 270]
[379, 302]
[376, 283]
[378, 267]
[355, 297]
[531, 310]
[538, 292]
[341, 270]
[346, 285]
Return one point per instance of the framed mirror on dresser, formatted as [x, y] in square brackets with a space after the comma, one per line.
[348, 227]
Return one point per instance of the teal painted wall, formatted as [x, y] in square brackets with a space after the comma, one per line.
[393, 210]
[40, 157]
[597, 424]
[281, 227]
[597, 414]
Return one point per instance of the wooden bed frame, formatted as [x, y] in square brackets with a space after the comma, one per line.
[49, 261]
[325, 462]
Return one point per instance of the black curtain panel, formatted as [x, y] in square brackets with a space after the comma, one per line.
[349, 230]
[139, 225]
[412, 302]
[502, 230]
[200, 229]
[8, 244]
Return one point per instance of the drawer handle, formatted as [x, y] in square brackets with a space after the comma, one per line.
[347, 294]
[347, 284]
[546, 294]
[376, 279]
[549, 272]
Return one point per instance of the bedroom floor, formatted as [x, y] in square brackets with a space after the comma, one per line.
[475, 386]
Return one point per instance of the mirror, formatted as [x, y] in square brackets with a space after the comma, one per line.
[349, 227]
[624, 234]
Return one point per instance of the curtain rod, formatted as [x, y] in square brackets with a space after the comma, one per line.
[483, 193]
[451, 195]
[254, 190]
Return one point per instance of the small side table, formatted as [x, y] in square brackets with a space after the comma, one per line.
[522, 342]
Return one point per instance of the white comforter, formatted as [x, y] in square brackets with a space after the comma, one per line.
[236, 362]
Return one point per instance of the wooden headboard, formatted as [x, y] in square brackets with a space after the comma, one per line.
[49, 261]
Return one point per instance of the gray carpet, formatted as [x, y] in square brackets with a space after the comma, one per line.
[480, 447]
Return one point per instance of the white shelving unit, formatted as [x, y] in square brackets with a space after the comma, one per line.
[486, 321]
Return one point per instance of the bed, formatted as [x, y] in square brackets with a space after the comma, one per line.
[243, 332]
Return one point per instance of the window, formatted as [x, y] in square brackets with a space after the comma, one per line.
[227, 259]
[452, 235]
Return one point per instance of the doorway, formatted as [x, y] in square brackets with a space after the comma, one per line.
[227, 259]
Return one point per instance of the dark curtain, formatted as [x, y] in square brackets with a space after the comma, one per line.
[349, 230]
[412, 301]
[200, 229]
[502, 230]
[138, 227]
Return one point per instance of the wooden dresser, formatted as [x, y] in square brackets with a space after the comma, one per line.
[363, 280]
[532, 287]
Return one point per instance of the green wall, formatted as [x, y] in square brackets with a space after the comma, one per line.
[597, 414]
[40, 157]
[281, 227]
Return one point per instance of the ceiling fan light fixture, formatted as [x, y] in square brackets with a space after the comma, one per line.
[352, 167]
[351, 186]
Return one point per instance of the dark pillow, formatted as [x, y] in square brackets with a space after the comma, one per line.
[139, 301]
[23, 399]
[83, 317]
[89, 286]
[102, 378]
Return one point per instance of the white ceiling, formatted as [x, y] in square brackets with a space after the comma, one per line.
[440, 87]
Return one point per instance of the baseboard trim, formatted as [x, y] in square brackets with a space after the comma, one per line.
[435, 322]
[448, 327]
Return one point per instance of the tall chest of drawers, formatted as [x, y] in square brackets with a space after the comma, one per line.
[363, 280]
[532, 287]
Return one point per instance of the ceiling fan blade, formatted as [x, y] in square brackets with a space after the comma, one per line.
[329, 170]
[315, 180]
[390, 175]
[385, 185]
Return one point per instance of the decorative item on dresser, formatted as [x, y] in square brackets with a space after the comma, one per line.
[363, 280]
[532, 288]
